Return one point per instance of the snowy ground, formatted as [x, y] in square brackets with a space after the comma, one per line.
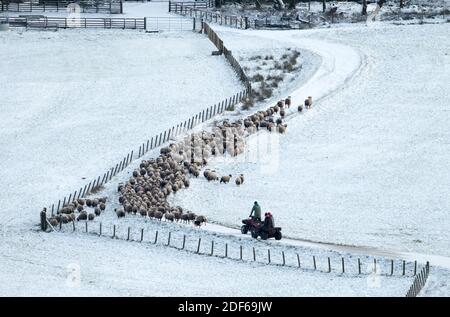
[368, 165]
[36, 263]
[88, 98]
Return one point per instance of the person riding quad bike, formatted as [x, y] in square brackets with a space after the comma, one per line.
[265, 229]
[256, 212]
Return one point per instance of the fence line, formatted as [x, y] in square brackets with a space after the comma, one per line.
[96, 184]
[106, 6]
[419, 281]
[217, 41]
[198, 245]
[198, 12]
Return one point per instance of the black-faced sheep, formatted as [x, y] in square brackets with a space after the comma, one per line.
[300, 108]
[239, 180]
[199, 220]
[158, 215]
[225, 179]
[91, 216]
[119, 212]
[97, 211]
[287, 102]
[82, 216]
[169, 216]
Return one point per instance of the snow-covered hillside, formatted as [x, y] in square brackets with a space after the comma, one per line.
[367, 165]
[75, 102]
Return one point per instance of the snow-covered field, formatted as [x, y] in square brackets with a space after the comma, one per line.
[365, 167]
[75, 102]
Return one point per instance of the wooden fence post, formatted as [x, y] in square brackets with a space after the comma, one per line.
[43, 220]
[254, 254]
[128, 234]
[184, 242]
[404, 267]
[284, 260]
[73, 226]
[114, 231]
[375, 266]
[142, 234]
[86, 226]
[198, 246]
[240, 252]
[415, 267]
[156, 237]
[298, 260]
[168, 239]
[268, 255]
[226, 250]
[329, 265]
[392, 267]
[100, 229]
[212, 248]
[359, 266]
[343, 265]
[314, 262]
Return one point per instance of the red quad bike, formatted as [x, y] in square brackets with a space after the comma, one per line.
[257, 229]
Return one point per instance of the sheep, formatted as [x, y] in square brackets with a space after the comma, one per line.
[185, 218]
[300, 108]
[81, 201]
[158, 215]
[88, 202]
[91, 216]
[191, 216]
[102, 200]
[53, 221]
[239, 180]
[199, 220]
[287, 101]
[143, 212]
[281, 128]
[65, 218]
[225, 179]
[282, 113]
[94, 203]
[97, 211]
[82, 216]
[102, 206]
[120, 212]
[176, 215]
[169, 216]
[80, 208]
[72, 217]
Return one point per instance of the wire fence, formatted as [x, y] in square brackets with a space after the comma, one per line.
[188, 9]
[252, 251]
[419, 281]
[156, 141]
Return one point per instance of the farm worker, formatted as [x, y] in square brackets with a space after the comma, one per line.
[256, 211]
[268, 221]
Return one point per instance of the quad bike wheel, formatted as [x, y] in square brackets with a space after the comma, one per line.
[264, 235]
[254, 234]
[244, 229]
[278, 235]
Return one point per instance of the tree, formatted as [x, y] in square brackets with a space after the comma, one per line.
[292, 4]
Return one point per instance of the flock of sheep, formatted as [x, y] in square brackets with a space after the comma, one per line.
[146, 192]
[81, 206]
